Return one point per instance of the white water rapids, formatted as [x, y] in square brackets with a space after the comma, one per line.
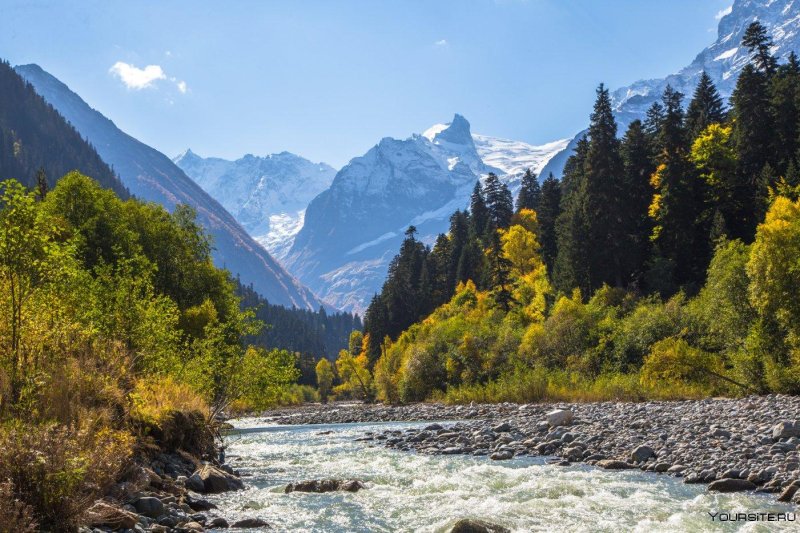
[411, 492]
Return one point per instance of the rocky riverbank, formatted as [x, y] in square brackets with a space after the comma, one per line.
[731, 444]
[164, 494]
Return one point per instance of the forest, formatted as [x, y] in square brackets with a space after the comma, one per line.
[665, 264]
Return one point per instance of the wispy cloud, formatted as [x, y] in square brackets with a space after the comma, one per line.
[137, 78]
[721, 13]
[441, 42]
[142, 78]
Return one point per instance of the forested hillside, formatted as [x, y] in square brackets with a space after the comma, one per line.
[36, 141]
[664, 264]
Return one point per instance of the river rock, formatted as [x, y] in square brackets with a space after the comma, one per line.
[325, 485]
[218, 522]
[470, 525]
[730, 485]
[501, 455]
[642, 453]
[214, 480]
[104, 514]
[198, 504]
[149, 506]
[789, 492]
[250, 523]
[560, 417]
[614, 464]
[785, 430]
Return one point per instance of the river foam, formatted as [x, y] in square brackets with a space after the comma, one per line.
[413, 492]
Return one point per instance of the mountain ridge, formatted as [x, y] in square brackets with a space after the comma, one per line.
[152, 176]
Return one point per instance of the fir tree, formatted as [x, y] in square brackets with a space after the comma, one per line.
[785, 104]
[705, 108]
[549, 210]
[760, 45]
[530, 193]
[636, 152]
[571, 266]
[753, 139]
[499, 202]
[675, 206]
[608, 244]
[479, 213]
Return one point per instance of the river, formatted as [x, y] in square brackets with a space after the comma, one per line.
[411, 492]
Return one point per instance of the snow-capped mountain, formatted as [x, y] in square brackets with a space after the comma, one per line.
[513, 158]
[267, 195]
[722, 60]
[151, 176]
[353, 229]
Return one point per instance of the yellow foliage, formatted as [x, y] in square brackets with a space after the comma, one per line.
[153, 399]
[521, 248]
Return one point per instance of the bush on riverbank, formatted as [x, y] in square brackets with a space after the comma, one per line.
[115, 328]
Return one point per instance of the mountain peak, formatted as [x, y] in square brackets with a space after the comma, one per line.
[455, 132]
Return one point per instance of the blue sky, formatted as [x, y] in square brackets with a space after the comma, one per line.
[328, 79]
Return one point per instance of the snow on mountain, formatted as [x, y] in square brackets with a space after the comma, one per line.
[267, 195]
[353, 229]
[515, 157]
[722, 60]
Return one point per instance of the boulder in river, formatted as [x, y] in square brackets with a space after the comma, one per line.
[614, 464]
[560, 417]
[325, 485]
[251, 522]
[214, 480]
[731, 485]
[642, 453]
[470, 525]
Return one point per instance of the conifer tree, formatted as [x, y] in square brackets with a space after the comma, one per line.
[479, 213]
[571, 266]
[376, 326]
[530, 193]
[785, 105]
[675, 206]
[498, 273]
[549, 210]
[499, 202]
[652, 125]
[608, 244]
[760, 45]
[753, 139]
[637, 157]
[705, 108]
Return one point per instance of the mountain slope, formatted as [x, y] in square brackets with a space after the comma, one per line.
[33, 135]
[722, 60]
[353, 229]
[151, 176]
[267, 195]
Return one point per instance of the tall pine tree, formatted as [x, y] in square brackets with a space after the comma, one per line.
[608, 246]
[549, 210]
[705, 108]
[637, 157]
[675, 206]
[530, 193]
